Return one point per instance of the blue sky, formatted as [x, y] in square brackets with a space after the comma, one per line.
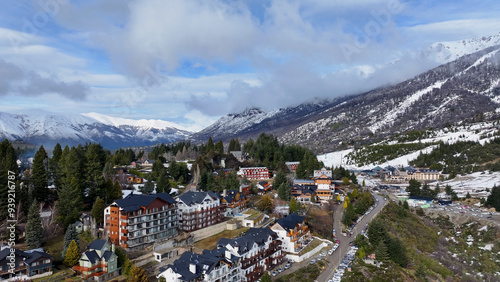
[190, 62]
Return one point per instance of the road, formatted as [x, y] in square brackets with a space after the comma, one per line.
[336, 257]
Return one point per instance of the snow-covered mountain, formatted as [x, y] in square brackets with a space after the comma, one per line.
[41, 127]
[463, 90]
[447, 51]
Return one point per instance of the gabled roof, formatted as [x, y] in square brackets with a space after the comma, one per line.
[97, 244]
[192, 197]
[107, 255]
[204, 263]
[29, 256]
[254, 236]
[92, 256]
[290, 221]
[134, 202]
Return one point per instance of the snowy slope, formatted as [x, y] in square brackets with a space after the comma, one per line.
[447, 51]
[41, 127]
[478, 132]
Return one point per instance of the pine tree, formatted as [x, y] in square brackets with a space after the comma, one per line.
[279, 179]
[494, 198]
[69, 236]
[72, 254]
[163, 183]
[148, 186]
[283, 192]
[98, 211]
[116, 193]
[54, 166]
[40, 175]
[95, 158]
[210, 146]
[414, 188]
[381, 252]
[138, 274]
[34, 229]
[70, 203]
[294, 205]
[355, 193]
[313, 198]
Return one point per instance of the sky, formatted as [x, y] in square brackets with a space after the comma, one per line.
[192, 61]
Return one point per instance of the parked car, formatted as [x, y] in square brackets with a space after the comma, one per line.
[313, 261]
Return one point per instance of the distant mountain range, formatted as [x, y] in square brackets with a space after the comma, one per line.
[41, 127]
[466, 87]
[463, 89]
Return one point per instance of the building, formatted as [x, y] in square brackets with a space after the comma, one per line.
[98, 263]
[232, 202]
[293, 232]
[303, 193]
[138, 220]
[24, 265]
[254, 173]
[263, 187]
[259, 251]
[216, 265]
[246, 189]
[292, 166]
[197, 210]
[134, 179]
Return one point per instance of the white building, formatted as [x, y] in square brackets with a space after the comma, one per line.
[198, 210]
[292, 232]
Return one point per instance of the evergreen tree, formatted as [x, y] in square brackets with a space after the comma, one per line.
[72, 254]
[376, 232]
[163, 183]
[123, 261]
[301, 172]
[494, 198]
[34, 229]
[138, 274]
[381, 253]
[355, 193]
[148, 186]
[95, 158]
[70, 203]
[396, 251]
[8, 172]
[219, 147]
[116, 192]
[414, 188]
[40, 175]
[73, 168]
[284, 192]
[98, 211]
[210, 146]
[294, 206]
[313, 198]
[279, 179]
[54, 166]
[349, 214]
[69, 236]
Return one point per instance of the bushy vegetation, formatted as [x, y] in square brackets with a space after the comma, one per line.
[462, 157]
[375, 154]
[419, 248]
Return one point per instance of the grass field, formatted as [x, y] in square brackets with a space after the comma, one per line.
[209, 243]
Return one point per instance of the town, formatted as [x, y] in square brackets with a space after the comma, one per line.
[174, 221]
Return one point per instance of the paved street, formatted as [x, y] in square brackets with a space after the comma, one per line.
[336, 257]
